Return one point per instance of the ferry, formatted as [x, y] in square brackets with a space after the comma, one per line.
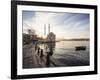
[77, 48]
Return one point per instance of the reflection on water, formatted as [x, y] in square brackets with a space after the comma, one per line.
[48, 48]
[64, 51]
[69, 46]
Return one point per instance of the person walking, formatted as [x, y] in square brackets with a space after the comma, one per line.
[48, 58]
[41, 54]
[38, 52]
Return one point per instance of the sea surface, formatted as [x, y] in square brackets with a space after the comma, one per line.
[64, 53]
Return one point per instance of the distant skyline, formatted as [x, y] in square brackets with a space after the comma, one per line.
[63, 25]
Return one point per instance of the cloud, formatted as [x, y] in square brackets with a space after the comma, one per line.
[62, 24]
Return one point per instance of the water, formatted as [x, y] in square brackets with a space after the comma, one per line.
[65, 47]
[64, 53]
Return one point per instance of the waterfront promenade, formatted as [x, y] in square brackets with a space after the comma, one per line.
[32, 58]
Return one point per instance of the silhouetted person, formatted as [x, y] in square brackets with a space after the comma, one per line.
[51, 51]
[48, 59]
[41, 54]
[35, 47]
[38, 50]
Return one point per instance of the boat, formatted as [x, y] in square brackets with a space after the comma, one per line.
[77, 48]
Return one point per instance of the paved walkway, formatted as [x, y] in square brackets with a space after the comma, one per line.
[31, 59]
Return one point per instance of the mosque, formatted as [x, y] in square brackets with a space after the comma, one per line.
[51, 37]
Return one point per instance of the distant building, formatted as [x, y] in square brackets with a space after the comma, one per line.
[51, 37]
[26, 38]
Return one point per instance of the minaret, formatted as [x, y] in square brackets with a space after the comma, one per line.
[49, 28]
[45, 29]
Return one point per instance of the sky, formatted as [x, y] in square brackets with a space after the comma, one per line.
[63, 25]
